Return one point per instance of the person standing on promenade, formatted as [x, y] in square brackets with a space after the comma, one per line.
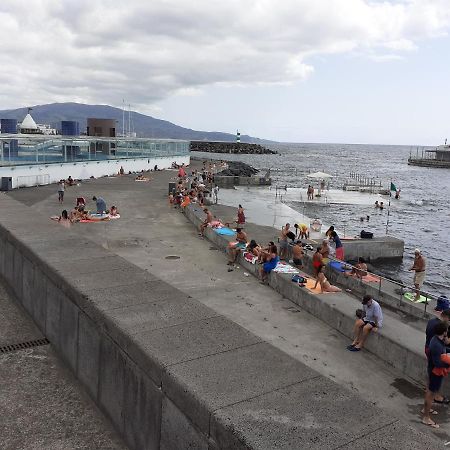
[339, 246]
[61, 188]
[240, 216]
[419, 269]
[443, 310]
[371, 322]
[284, 245]
[215, 194]
[435, 373]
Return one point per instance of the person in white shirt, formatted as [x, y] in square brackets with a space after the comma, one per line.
[372, 321]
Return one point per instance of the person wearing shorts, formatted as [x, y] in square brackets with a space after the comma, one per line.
[419, 269]
[284, 245]
[297, 255]
[371, 322]
[61, 188]
[436, 371]
[234, 248]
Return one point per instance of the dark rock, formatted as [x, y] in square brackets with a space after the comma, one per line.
[238, 169]
[229, 147]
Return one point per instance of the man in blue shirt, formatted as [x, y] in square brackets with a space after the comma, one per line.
[435, 376]
[444, 317]
[371, 322]
[101, 204]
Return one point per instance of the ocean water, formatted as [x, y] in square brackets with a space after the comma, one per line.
[420, 217]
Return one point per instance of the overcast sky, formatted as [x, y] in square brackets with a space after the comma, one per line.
[288, 70]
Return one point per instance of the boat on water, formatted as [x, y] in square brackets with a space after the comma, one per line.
[439, 157]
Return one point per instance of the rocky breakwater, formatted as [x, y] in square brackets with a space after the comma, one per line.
[241, 174]
[229, 147]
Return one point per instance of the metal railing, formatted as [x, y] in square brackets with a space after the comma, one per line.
[403, 288]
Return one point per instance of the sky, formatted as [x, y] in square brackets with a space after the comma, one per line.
[353, 71]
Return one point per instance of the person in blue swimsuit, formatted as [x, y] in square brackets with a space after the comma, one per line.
[268, 266]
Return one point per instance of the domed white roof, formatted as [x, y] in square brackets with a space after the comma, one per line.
[28, 123]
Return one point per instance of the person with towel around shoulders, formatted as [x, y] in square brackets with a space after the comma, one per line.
[370, 323]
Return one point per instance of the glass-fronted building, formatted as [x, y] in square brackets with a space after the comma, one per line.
[42, 149]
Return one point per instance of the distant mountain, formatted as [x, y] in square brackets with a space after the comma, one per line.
[144, 126]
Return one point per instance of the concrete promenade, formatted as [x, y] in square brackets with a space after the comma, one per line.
[287, 393]
[42, 405]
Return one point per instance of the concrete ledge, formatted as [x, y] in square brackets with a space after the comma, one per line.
[386, 247]
[156, 361]
[398, 344]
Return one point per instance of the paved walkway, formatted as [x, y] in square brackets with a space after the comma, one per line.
[160, 239]
[42, 405]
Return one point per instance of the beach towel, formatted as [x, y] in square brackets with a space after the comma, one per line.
[369, 278]
[337, 265]
[250, 257]
[224, 231]
[284, 267]
[310, 286]
[92, 220]
[216, 224]
[411, 296]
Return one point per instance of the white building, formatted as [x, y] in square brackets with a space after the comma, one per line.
[29, 126]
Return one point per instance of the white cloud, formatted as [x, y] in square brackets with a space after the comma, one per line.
[101, 51]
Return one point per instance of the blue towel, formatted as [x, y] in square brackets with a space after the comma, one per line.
[336, 265]
[225, 231]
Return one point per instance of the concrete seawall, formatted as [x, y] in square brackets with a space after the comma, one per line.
[168, 371]
[398, 344]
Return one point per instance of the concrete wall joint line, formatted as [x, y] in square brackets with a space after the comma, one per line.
[267, 392]
[368, 434]
[216, 353]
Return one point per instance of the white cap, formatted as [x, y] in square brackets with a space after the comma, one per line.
[417, 250]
